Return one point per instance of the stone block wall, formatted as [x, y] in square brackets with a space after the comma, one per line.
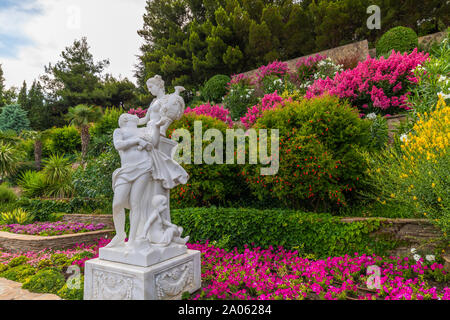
[412, 233]
[90, 218]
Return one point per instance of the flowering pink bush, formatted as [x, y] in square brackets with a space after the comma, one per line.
[375, 85]
[239, 79]
[269, 101]
[139, 112]
[51, 228]
[277, 68]
[215, 111]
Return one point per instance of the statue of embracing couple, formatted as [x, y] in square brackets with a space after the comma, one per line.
[146, 175]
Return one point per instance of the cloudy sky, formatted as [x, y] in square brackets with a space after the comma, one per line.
[35, 32]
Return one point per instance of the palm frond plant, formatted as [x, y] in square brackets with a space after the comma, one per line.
[9, 159]
[82, 116]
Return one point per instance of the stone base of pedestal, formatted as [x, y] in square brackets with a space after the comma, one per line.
[144, 254]
[167, 280]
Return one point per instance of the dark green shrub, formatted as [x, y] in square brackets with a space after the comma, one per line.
[60, 260]
[320, 161]
[19, 273]
[66, 140]
[48, 280]
[215, 88]
[43, 209]
[208, 184]
[320, 234]
[72, 294]
[7, 195]
[400, 39]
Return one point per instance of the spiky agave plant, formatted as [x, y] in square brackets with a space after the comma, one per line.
[58, 175]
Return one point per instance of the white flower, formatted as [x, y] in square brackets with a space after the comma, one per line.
[404, 138]
[371, 116]
[413, 250]
[416, 257]
[430, 257]
[444, 96]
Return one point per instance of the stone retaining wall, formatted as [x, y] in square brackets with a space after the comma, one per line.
[21, 242]
[90, 218]
[412, 233]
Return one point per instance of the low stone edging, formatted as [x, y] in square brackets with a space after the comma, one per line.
[22, 242]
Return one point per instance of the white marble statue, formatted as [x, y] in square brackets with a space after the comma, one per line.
[143, 182]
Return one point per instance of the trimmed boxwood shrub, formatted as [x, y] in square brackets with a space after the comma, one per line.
[320, 164]
[400, 39]
[47, 280]
[66, 140]
[320, 234]
[215, 88]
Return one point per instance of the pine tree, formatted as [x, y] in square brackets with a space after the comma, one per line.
[22, 98]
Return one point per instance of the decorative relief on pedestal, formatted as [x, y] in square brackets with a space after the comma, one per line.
[174, 281]
[111, 286]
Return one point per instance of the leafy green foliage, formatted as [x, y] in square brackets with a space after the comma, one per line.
[215, 88]
[72, 293]
[400, 39]
[215, 184]
[20, 273]
[7, 195]
[319, 160]
[17, 216]
[47, 280]
[33, 183]
[9, 159]
[238, 99]
[319, 234]
[65, 140]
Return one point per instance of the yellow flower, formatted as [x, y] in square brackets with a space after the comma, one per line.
[392, 195]
[414, 198]
[424, 213]
[439, 199]
[433, 185]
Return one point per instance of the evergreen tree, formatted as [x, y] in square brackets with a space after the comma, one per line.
[22, 98]
[13, 117]
[39, 112]
[74, 80]
[2, 87]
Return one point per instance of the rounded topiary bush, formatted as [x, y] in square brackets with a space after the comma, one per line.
[320, 165]
[208, 184]
[215, 88]
[400, 39]
[48, 280]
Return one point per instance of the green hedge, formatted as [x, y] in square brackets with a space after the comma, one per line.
[320, 234]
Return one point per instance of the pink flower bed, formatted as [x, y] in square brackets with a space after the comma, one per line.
[258, 274]
[269, 101]
[51, 228]
[375, 85]
[266, 274]
[215, 111]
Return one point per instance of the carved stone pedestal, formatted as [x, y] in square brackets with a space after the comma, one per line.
[167, 280]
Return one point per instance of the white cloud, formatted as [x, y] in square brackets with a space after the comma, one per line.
[109, 25]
